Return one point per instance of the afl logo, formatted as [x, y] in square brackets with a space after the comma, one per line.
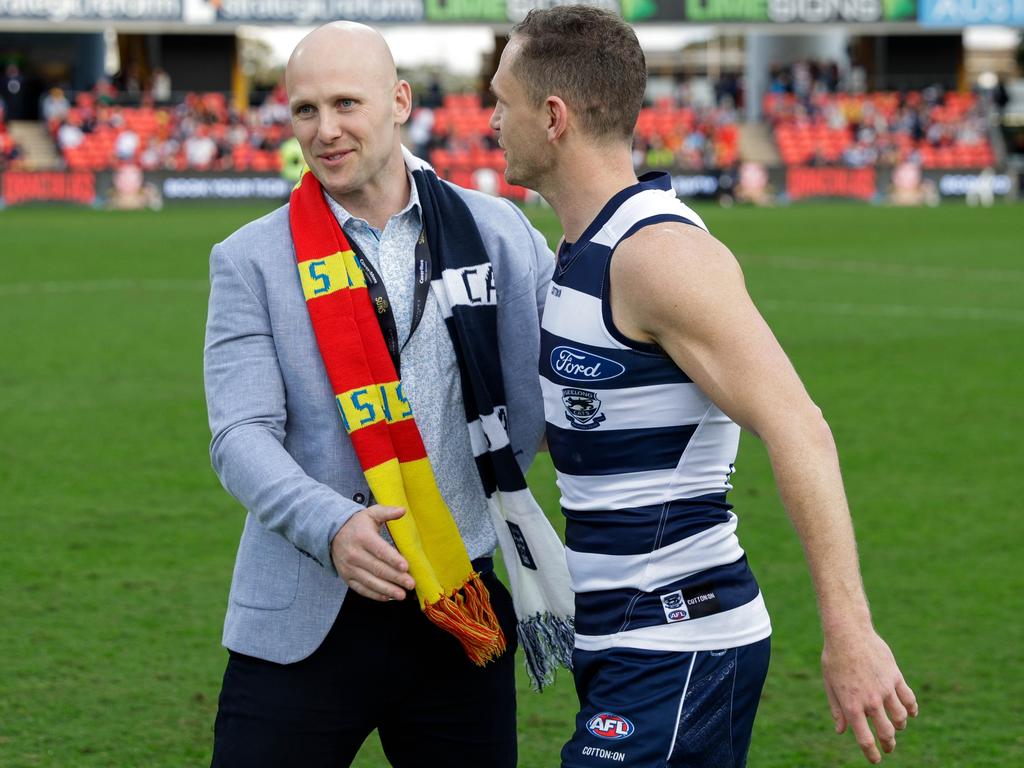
[577, 365]
[608, 726]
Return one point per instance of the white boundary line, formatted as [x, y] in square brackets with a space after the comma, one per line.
[886, 269]
[98, 286]
[895, 310]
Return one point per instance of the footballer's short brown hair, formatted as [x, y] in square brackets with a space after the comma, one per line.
[590, 59]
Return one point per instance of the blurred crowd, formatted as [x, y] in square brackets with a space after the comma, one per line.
[671, 134]
[107, 127]
[818, 117]
[822, 118]
[806, 77]
[202, 132]
[675, 132]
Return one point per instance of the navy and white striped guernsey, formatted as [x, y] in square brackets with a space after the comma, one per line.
[643, 460]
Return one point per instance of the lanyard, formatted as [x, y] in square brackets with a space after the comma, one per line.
[382, 305]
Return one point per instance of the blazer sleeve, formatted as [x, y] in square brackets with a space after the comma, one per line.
[542, 260]
[245, 397]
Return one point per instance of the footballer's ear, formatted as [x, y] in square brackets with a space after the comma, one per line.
[556, 112]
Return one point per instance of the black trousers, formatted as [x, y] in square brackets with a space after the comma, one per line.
[383, 666]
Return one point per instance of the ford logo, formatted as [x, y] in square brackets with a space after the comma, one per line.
[577, 365]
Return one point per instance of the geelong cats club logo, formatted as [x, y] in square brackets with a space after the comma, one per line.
[582, 408]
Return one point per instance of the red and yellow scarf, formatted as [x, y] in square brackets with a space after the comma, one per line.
[379, 420]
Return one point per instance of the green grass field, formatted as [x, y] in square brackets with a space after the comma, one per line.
[117, 542]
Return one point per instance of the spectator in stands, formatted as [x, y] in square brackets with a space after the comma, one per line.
[54, 106]
[658, 156]
[161, 89]
[106, 92]
[12, 90]
[274, 110]
[420, 128]
[10, 153]
[150, 158]
[126, 145]
[434, 95]
[70, 134]
[200, 149]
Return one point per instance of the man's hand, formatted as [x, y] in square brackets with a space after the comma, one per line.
[864, 688]
[367, 562]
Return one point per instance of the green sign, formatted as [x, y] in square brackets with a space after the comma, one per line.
[465, 10]
[726, 10]
[641, 10]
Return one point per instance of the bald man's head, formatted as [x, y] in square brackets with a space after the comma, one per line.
[356, 44]
[348, 106]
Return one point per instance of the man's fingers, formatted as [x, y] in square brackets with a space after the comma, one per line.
[384, 555]
[381, 514]
[368, 585]
[884, 729]
[369, 562]
[865, 739]
[380, 561]
[907, 697]
[837, 711]
[896, 711]
[384, 571]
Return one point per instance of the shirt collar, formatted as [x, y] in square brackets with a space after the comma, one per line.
[344, 217]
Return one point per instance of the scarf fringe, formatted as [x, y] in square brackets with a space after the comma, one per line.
[547, 640]
[468, 615]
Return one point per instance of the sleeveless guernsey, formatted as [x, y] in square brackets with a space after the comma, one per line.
[643, 460]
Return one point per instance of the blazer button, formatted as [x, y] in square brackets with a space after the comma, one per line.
[359, 498]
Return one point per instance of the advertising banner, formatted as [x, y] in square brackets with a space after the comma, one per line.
[199, 186]
[851, 183]
[129, 188]
[961, 13]
[800, 11]
[91, 10]
[498, 11]
[19, 188]
[307, 12]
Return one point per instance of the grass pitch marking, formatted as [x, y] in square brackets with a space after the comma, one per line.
[100, 286]
[888, 269]
[896, 310]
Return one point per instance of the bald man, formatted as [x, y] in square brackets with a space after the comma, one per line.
[326, 640]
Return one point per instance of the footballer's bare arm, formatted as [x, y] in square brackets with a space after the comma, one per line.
[677, 286]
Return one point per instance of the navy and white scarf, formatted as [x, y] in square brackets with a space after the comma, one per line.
[534, 555]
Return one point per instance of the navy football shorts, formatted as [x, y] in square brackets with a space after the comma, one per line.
[666, 709]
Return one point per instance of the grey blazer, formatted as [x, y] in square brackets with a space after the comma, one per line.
[278, 444]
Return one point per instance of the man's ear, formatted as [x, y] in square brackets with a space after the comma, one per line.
[403, 102]
[557, 117]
